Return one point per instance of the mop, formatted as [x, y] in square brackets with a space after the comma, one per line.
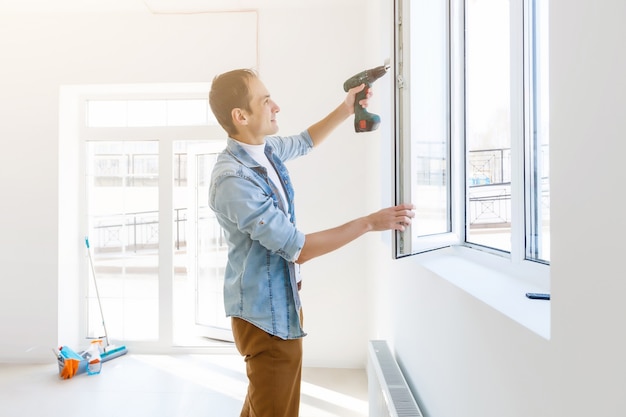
[109, 351]
[72, 363]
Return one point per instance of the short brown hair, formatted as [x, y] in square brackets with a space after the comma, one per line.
[229, 91]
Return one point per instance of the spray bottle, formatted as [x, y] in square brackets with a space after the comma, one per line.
[94, 362]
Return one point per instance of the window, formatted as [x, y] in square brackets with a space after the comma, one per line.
[472, 123]
[157, 250]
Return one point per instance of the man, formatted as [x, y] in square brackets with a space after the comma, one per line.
[253, 199]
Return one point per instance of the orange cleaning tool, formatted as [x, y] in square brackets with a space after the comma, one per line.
[71, 361]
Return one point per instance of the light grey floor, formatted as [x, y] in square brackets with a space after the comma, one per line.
[167, 386]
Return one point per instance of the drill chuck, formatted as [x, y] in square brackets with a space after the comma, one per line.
[363, 120]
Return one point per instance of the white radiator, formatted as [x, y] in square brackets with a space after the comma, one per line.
[389, 394]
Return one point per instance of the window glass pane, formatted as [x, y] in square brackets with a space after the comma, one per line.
[187, 112]
[488, 123]
[123, 211]
[429, 115]
[538, 247]
[106, 113]
[147, 113]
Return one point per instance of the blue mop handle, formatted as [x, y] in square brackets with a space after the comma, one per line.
[95, 284]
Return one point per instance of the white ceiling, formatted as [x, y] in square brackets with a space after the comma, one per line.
[78, 6]
[157, 6]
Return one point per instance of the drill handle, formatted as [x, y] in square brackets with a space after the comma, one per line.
[364, 121]
[361, 95]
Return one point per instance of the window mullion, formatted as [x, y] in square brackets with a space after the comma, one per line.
[166, 253]
[519, 93]
[459, 196]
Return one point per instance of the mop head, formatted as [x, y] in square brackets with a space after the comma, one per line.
[113, 352]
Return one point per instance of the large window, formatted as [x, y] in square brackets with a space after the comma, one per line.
[472, 139]
[157, 249]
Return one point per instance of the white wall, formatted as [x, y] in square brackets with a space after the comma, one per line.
[460, 356]
[304, 53]
[464, 358]
[42, 52]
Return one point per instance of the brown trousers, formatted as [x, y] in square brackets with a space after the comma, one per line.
[274, 368]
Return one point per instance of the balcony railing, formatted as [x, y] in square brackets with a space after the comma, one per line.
[135, 231]
[488, 180]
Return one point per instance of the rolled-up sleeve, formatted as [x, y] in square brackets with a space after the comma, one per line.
[289, 147]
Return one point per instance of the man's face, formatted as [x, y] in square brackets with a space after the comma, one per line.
[262, 117]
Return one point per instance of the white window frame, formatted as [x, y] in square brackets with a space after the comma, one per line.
[515, 262]
[165, 135]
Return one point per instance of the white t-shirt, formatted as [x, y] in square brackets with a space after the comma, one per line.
[257, 152]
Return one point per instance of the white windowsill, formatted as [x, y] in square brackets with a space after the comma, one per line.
[496, 282]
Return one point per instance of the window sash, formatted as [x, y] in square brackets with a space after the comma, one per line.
[423, 128]
[524, 162]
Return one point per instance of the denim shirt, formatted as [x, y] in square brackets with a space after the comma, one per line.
[263, 241]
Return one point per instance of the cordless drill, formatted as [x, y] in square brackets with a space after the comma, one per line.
[364, 121]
